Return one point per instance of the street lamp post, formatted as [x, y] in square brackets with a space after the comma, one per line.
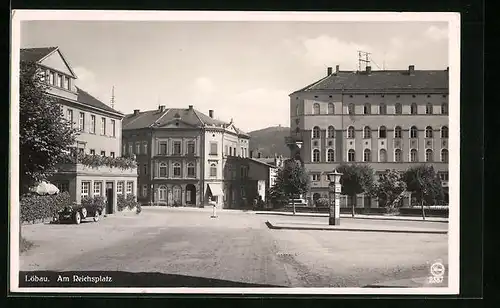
[334, 190]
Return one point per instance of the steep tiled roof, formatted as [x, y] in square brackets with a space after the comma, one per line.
[382, 80]
[87, 99]
[35, 54]
[190, 116]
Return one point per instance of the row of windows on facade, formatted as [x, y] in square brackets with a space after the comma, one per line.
[57, 79]
[98, 188]
[317, 177]
[177, 170]
[231, 151]
[92, 128]
[382, 132]
[232, 172]
[103, 153]
[382, 109]
[367, 155]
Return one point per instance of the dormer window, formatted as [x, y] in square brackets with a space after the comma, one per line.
[60, 81]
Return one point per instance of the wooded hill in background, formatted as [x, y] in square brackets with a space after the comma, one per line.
[270, 141]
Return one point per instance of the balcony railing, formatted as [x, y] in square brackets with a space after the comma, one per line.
[77, 163]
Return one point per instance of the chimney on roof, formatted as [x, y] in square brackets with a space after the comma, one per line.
[329, 71]
[190, 107]
[211, 113]
[337, 69]
[447, 68]
[136, 111]
[368, 69]
[258, 155]
[161, 108]
[411, 69]
[251, 154]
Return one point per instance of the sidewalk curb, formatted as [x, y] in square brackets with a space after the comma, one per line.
[275, 227]
[350, 217]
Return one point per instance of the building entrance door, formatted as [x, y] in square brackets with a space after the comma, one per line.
[109, 198]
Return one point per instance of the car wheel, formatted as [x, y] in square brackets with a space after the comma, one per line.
[77, 218]
[96, 216]
[84, 213]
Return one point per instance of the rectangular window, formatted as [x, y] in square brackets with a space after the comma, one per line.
[315, 177]
[130, 148]
[191, 170]
[81, 122]
[144, 190]
[145, 168]
[444, 176]
[119, 188]
[241, 152]
[97, 188]
[103, 126]
[145, 146]
[92, 152]
[103, 153]
[137, 148]
[85, 189]
[113, 128]
[190, 148]
[177, 169]
[163, 148]
[213, 170]
[66, 82]
[112, 154]
[63, 186]
[60, 81]
[226, 150]
[69, 116]
[92, 124]
[130, 188]
[177, 148]
[213, 148]
[52, 78]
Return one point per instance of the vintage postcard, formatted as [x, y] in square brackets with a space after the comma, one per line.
[234, 152]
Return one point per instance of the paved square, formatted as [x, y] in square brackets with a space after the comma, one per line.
[237, 246]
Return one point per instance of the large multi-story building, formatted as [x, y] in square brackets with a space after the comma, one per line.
[99, 128]
[390, 119]
[182, 154]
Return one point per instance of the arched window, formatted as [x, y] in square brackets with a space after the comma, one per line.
[316, 109]
[444, 108]
[413, 109]
[350, 108]
[367, 109]
[163, 170]
[331, 155]
[413, 155]
[316, 155]
[428, 132]
[398, 133]
[331, 108]
[413, 132]
[444, 155]
[428, 155]
[399, 108]
[316, 132]
[367, 132]
[444, 132]
[351, 133]
[213, 170]
[177, 194]
[367, 155]
[383, 156]
[428, 108]
[397, 155]
[191, 170]
[177, 169]
[351, 155]
[382, 132]
[331, 132]
[382, 109]
[162, 192]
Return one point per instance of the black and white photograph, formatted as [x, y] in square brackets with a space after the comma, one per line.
[235, 152]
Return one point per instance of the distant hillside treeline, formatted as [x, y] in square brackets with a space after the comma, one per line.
[270, 141]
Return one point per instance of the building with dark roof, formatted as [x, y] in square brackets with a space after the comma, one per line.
[182, 154]
[99, 127]
[390, 119]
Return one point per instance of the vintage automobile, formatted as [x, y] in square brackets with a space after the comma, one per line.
[77, 213]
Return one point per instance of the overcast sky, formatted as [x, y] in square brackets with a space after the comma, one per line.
[242, 70]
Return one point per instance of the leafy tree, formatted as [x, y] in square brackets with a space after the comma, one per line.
[423, 181]
[356, 179]
[292, 180]
[389, 189]
[44, 133]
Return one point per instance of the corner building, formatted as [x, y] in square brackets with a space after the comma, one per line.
[390, 119]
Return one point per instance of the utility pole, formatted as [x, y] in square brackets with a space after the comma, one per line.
[113, 97]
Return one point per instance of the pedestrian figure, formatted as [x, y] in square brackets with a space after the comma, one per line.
[214, 207]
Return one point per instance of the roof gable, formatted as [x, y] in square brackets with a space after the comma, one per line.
[35, 54]
[57, 61]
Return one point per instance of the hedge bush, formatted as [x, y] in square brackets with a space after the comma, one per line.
[35, 207]
[322, 202]
[128, 201]
[94, 202]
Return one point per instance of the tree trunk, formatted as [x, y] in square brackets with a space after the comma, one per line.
[423, 210]
[353, 205]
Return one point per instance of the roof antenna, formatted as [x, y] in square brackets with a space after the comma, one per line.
[113, 97]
